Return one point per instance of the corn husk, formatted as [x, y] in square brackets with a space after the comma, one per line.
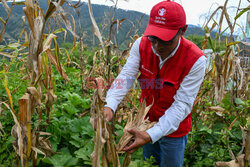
[139, 123]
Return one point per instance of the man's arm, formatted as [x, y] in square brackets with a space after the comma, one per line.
[183, 103]
[123, 82]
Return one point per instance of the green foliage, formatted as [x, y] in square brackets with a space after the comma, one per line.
[196, 39]
[63, 159]
[210, 139]
[6, 151]
[72, 134]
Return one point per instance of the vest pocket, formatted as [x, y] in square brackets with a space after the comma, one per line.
[167, 94]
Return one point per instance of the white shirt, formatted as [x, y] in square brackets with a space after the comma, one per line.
[184, 98]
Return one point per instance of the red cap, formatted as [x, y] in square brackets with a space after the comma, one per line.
[165, 19]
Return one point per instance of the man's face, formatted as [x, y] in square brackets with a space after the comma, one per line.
[164, 48]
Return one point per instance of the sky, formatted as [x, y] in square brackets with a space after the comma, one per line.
[196, 10]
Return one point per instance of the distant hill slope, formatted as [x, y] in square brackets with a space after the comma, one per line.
[14, 24]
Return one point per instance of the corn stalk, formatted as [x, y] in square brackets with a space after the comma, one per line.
[104, 150]
[28, 143]
[225, 66]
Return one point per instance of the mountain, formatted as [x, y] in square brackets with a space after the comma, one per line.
[136, 20]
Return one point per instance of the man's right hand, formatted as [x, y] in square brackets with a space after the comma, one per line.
[108, 114]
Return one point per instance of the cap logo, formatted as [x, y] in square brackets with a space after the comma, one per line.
[162, 11]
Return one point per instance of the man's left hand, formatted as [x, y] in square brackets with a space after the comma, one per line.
[141, 138]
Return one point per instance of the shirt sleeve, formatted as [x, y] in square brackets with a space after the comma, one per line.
[125, 79]
[182, 106]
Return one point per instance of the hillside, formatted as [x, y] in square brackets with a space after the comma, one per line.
[101, 13]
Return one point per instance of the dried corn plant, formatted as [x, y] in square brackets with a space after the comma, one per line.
[30, 142]
[104, 150]
[138, 122]
[225, 66]
[224, 69]
[104, 141]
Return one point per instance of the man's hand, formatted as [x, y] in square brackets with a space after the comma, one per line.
[108, 114]
[141, 138]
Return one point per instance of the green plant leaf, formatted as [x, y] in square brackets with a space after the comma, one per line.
[239, 101]
[241, 12]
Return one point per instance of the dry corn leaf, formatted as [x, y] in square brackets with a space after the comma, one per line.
[97, 117]
[35, 44]
[139, 123]
[36, 150]
[6, 55]
[95, 28]
[29, 12]
[111, 154]
[228, 21]
[221, 17]
[53, 61]
[65, 19]
[219, 110]
[127, 160]
[77, 5]
[218, 63]
[16, 132]
[1, 128]
[5, 5]
[34, 97]
[247, 146]
[51, 9]
[238, 162]
[48, 41]
[237, 61]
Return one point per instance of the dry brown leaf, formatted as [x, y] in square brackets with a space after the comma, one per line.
[219, 110]
[139, 123]
[1, 128]
[96, 30]
[247, 146]
[51, 9]
[238, 162]
[229, 22]
[35, 45]
[29, 12]
[34, 97]
[5, 5]
[16, 132]
[65, 19]
[237, 61]
[48, 42]
[97, 115]
[53, 61]
[218, 63]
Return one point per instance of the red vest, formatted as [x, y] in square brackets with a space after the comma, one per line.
[160, 85]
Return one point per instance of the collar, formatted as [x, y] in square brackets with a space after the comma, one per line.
[171, 54]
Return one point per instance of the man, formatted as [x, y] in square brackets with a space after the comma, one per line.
[176, 67]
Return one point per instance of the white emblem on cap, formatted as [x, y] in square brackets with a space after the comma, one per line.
[162, 11]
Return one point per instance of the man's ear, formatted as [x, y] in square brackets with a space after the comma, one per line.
[184, 29]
